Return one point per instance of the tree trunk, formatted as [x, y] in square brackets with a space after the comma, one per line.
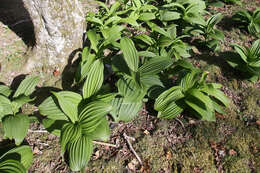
[58, 29]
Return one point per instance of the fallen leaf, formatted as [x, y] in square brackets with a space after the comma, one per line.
[232, 152]
[146, 132]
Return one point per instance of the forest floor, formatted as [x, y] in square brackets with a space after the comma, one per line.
[181, 145]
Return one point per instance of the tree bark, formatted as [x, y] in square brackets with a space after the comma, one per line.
[58, 28]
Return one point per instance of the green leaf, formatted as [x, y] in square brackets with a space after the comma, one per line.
[23, 154]
[189, 80]
[5, 90]
[69, 133]
[171, 95]
[241, 51]
[124, 110]
[92, 36]
[18, 102]
[254, 50]
[113, 19]
[84, 67]
[255, 64]
[91, 116]
[213, 20]
[119, 65]
[12, 123]
[171, 111]
[158, 29]
[95, 20]
[112, 34]
[69, 102]
[79, 152]
[53, 126]
[145, 38]
[130, 53]
[218, 94]
[146, 54]
[155, 65]
[94, 80]
[113, 8]
[27, 86]
[202, 104]
[5, 106]
[137, 3]
[147, 16]
[102, 131]
[50, 108]
[11, 166]
[166, 15]
[130, 89]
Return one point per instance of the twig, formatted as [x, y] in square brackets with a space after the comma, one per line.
[44, 144]
[180, 122]
[103, 143]
[131, 147]
[37, 131]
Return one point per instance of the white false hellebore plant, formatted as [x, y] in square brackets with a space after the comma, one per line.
[78, 120]
[10, 108]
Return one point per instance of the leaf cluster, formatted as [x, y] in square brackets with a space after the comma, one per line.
[248, 61]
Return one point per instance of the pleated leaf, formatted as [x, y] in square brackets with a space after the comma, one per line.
[15, 127]
[241, 51]
[18, 102]
[94, 79]
[125, 110]
[79, 152]
[130, 90]
[171, 111]
[53, 126]
[102, 131]
[218, 94]
[69, 102]
[166, 15]
[91, 116]
[202, 104]
[69, 133]
[25, 155]
[170, 95]
[92, 36]
[50, 108]
[5, 90]
[130, 53]
[155, 65]
[12, 166]
[27, 86]
[188, 81]
[5, 106]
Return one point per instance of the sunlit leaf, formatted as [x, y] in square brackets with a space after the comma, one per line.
[91, 116]
[69, 102]
[23, 154]
[5, 90]
[125, 110]
[69, 133]
[27, 86]
[130, 53]
[11, 123]
[79, 153]
[94, 79]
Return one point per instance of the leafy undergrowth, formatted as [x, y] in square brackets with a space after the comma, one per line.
[231, 144]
